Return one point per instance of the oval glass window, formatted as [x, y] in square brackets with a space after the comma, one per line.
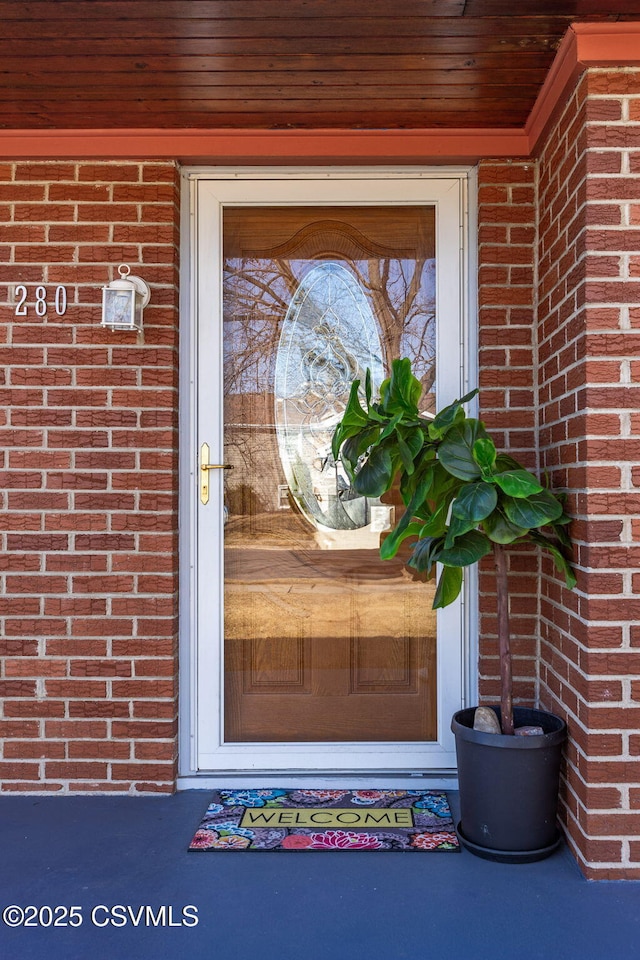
[329, 337]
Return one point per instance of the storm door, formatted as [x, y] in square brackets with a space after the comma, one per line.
[314, 654]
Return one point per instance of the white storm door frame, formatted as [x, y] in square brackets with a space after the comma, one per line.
[210, 191]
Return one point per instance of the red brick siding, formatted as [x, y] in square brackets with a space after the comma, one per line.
[507, 350]
[589, 323]
[88, 614]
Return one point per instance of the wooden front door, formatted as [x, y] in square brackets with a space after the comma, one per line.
[324, 649]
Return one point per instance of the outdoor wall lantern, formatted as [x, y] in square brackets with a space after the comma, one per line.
[124, 300]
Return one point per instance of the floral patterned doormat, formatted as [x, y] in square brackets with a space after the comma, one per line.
[413, 820]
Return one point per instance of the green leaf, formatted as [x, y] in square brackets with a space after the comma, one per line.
[353, 420]
[456, 450]
[449, 415]
[409, 443]
[561, 562]
[374, 414]
[444, 420]
[425, 554]
[440, 494]
[354, 415]
[449, 586]
[353, 447]
[413, 437]
[501, 530]
[403, 383]
[405, 455]
[469, 396]
[505, 462]
[390, 427]
[401, 392]
[340, 436]
[376, 474]
[368, 389]
[390, 544]
[560, 529]
[484, 454]
[443, 489]
[536, 511]
[468, 549]
[425, 463]
[517, 483]
[457, 527]
[437, 522]
[475, 502]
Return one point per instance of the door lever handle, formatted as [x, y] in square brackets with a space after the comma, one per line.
[205, 467]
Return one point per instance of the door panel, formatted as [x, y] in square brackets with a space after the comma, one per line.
[323, 641]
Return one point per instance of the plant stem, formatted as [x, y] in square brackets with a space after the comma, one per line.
[506, 687]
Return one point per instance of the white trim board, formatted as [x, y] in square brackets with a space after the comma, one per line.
[222, 781]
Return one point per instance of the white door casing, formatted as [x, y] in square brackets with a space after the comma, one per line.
[202, 747]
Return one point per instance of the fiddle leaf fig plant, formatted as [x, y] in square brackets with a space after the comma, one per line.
[464, 499]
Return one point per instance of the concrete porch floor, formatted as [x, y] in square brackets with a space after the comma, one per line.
[104, 851]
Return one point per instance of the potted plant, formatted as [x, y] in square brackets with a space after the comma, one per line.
[464, 500]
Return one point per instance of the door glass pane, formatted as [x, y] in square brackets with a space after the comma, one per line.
[323, 640]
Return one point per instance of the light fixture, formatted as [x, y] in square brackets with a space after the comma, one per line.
[124, 300]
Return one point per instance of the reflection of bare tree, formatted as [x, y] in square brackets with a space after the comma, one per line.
[257, 294]
[255, 299]
[404, 306]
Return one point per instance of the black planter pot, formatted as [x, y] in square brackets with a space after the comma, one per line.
[509, 787]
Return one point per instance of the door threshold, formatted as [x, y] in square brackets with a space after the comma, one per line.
[314, 781]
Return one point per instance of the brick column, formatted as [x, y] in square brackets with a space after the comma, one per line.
[88, 616]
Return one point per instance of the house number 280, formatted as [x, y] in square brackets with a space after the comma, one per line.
[40, 301]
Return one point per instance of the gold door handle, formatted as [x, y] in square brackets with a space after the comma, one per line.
[205, 467]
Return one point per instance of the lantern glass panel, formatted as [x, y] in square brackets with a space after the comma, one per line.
[118, 309]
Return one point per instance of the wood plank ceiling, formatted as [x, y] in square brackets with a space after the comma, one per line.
[272, 64]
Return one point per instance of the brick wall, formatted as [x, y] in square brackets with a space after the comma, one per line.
[88, 618]
[507, 358]
[589, 329]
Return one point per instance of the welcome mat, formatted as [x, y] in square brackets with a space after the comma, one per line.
[412, 820]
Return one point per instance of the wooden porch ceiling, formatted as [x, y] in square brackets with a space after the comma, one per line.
[282, 64]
